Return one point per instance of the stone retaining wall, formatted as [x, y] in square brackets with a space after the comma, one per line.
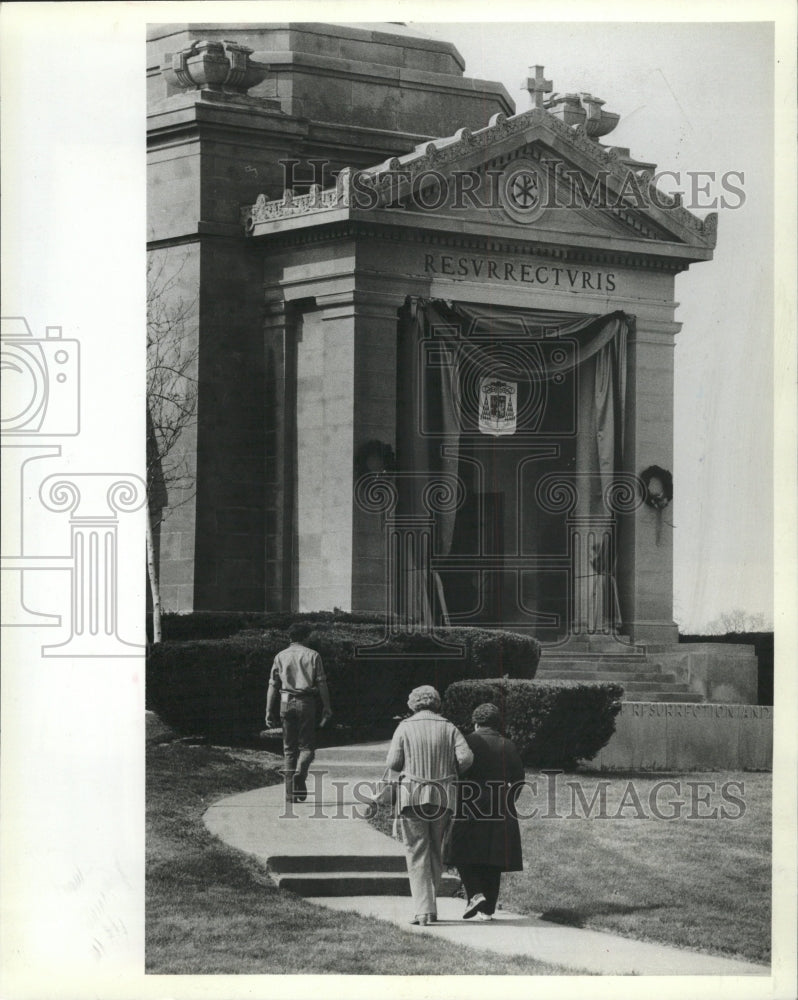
[666, 736]
[715, 672]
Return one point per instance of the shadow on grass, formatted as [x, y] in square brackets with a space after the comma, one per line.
[578, 918]
[588, 772]
[271, 740]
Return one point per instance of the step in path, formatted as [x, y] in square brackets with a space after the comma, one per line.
[324, 851]
[321, 847]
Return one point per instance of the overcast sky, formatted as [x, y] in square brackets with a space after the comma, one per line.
[692, 97]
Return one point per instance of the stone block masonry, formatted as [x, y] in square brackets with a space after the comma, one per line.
[686, 737]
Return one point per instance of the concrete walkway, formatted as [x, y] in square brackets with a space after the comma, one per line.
[325, 851]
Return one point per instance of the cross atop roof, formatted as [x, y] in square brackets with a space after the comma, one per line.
[536, 85]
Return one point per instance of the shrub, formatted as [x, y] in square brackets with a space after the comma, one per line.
[221, 624]
[553, 725]
[218, 686]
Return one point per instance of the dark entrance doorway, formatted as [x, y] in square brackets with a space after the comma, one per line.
[509, 562]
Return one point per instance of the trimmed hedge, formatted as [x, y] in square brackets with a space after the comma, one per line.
[218, 687]
[177, 627]
[553, 725]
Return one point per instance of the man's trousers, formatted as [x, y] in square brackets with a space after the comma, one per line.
[298, 716]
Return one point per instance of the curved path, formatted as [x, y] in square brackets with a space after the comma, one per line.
[324, 850]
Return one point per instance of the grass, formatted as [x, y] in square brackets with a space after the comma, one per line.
[702, 884]
[212, 910]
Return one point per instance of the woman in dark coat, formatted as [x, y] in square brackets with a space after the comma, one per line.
[485, 839]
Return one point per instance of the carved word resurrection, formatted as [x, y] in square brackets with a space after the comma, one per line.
[567, 278]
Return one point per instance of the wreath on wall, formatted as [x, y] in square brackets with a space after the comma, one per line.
[658, 483]
[374, 456]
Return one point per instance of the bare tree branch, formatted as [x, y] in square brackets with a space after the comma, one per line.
[737, 621]
[172, 399]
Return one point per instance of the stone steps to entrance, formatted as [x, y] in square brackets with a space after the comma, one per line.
[596, 644]
[648, 690]
[660, 684]
[651, 686]
[596, 663]
[611, 676]
[669, 695]
[603, 659]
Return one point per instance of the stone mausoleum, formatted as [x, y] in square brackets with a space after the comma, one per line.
[434, 342]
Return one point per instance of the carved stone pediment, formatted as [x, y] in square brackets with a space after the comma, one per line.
[529, 177]
[536, 188]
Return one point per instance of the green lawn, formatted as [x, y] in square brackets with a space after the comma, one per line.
[211, 909]
[696, 883]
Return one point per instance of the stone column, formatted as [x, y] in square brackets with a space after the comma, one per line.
[645, 575]
[591, 538]
[592, 543]
[280, 446]
[409, 541]
[346, 397]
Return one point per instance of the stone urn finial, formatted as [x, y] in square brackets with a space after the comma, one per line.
[584, 110]
[598, 122]
[208, 65]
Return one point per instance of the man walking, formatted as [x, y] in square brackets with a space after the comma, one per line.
[296, 676]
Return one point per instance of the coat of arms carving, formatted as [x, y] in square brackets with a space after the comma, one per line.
[498, 406]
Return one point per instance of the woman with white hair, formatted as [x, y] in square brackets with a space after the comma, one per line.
[430, 753]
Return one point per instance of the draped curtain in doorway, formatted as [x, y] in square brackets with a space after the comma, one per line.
[430, 427]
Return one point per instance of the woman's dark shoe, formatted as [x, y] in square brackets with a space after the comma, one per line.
[475, 905]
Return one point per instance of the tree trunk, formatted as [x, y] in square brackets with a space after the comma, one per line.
[152, 573]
